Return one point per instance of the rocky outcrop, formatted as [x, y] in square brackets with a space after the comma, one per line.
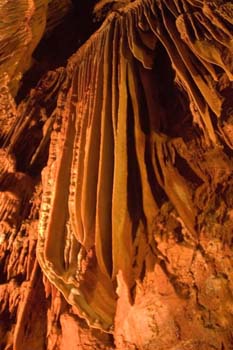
[22, 27]
[131, 220]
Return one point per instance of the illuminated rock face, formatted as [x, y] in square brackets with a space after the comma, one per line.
[22, 27]
[131, 220]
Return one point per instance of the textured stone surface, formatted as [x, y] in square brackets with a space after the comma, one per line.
[116, 187]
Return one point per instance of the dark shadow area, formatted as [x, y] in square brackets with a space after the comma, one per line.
[54, 51]
[173, 100]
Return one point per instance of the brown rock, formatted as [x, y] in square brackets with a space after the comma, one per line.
[116, 177]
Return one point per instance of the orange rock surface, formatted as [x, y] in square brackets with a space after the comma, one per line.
[116, 187]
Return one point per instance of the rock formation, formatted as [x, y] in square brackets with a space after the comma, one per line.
[116, 180]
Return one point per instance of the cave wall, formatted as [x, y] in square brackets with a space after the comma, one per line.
[116, 181]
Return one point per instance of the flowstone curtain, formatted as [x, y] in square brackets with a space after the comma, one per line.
[111, 161]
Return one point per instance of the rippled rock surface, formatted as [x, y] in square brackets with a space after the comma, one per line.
[116, 186]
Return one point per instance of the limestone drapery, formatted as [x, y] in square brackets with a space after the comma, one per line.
[108, 144]
[139, 167]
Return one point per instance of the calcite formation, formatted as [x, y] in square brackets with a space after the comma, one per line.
[21, 28]
[125, 240]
